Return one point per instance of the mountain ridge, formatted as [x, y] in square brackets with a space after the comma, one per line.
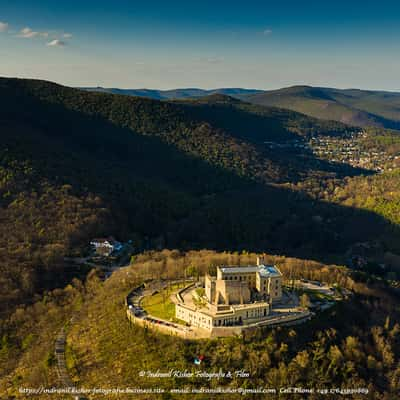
[357, 107]
[169, 94]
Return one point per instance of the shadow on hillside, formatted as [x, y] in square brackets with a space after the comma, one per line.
[285, 222]
[175, 200]
[261, 125]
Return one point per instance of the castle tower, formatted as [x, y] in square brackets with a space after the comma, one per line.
[261, 260]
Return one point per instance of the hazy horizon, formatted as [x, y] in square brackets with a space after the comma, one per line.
[166, 89]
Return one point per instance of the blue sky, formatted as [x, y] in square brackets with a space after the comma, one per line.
[208, 44]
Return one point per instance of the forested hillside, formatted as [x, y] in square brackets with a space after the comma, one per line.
[185, 175]
[351, 106]
[352, 345]
[190, 174]
[380, 194]
[218, 129]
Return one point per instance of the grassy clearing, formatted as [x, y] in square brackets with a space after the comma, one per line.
[315, 295]
[160, 305]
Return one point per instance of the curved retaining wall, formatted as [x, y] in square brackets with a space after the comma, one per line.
[130, 294]
[170, 330]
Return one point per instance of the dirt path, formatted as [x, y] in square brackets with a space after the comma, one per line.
[59, 350]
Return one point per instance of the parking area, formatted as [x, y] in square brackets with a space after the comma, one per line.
[316, 286]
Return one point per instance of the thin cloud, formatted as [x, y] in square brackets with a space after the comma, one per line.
[267, 32]
[56, 43]
[212, 60]
[28, 33]
[215, 60]
[3, 26]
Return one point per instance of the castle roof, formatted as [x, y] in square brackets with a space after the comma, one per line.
[239, 270]
[265, 271]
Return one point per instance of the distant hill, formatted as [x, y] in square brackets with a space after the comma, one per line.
[351, 106]
[174, 93]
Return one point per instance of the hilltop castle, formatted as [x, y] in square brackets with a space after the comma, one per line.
[236, 296]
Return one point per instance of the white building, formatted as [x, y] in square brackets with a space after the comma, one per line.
[106, 246]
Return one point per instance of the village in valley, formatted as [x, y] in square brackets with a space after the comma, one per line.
[354, 149]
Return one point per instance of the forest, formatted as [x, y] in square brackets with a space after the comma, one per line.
[353, 345]
[186, 175]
